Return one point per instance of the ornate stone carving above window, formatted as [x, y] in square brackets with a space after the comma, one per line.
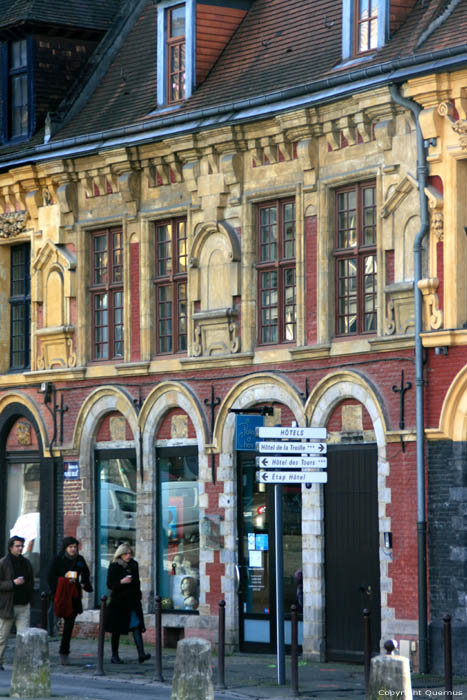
[53, 287]
[214, 279]
[12, 223]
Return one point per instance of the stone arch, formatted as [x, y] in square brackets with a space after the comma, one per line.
[326, 395]
[96, 405]
[215, 265]
[259, 388]
[453, 419]
[163, 397]
[333, 389]
[13, 403]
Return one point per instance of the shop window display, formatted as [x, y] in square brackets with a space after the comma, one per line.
[178, 528]
[116, 510]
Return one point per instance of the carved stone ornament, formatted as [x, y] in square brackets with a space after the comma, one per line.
[437, 225]
[23, 433]
[12, 223]
[460, 127]
[432, 314]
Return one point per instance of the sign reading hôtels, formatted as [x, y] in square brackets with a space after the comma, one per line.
[287, 454]
[287, 432]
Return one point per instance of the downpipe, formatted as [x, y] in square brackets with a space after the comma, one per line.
[422, 171]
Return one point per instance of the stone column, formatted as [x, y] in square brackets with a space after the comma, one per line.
[31, 665]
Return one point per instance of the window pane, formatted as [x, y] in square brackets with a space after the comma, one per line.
[289, 231]
[182, 316]
[369, 280]
[290, 312]
[181, 246]
[347, 296]
[347, 220]
[101, 327]
[118, 324]
[369, 216]
[19, 105]
[18, 57]
[164, 249]
[164, 314]
[117, 257]
[268, 233]
[115, 512]
[100, 259]
[178, 531]
[177, 22]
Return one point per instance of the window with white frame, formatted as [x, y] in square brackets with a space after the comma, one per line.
[175, 51]
[364, 26]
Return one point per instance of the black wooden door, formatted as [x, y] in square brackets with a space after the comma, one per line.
[352, 573]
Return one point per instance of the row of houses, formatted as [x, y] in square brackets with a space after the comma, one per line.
[218, 214]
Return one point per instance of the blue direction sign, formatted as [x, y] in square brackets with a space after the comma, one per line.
[288, 477]
[287, 432]
[277, 462]
[291, 448]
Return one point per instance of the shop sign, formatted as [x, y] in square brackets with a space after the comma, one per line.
[71, 470]
[245, 431]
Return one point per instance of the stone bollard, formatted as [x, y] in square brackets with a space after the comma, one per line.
[31, 665]
[192, 679]
[389, 676]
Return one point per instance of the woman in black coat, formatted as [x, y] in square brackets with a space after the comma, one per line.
[124, 612]
[68, 569]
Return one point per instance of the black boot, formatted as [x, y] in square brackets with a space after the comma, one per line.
[142, 657]
[115, 642]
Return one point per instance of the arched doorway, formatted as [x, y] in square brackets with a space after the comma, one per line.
[28, 499]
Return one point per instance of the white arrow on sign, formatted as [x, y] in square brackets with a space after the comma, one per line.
[267, 477]
[292, 448]
[291, 462]
[288, 432]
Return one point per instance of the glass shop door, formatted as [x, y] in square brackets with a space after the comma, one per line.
[256, 558]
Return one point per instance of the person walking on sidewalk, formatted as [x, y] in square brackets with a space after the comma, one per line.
[68, 574]
[125, 612]
[16, 591]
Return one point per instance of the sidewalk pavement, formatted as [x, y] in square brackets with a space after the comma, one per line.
[247, 676]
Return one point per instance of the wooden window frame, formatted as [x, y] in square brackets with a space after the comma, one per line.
[174, 278]
[20, 301]
[358, 22]
[278, 264]
[361, 252]
[177, 43]
[111, 285]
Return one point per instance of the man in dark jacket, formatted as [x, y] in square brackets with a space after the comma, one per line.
[68, 573]
[16, 591]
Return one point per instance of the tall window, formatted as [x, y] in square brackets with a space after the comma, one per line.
[20, 299]
[107, 294]
[170, 286]
[175, 39]
[18, 110]
[355, 259]
[366, 25]
[177, 528]
[276, 272]
[115, 508]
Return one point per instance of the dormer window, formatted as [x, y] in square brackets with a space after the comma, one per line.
[16, 107]
[364, 26]
[175, 51]
[175, 54]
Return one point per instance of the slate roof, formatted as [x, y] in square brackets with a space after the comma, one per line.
[92, 14]
[281, 45]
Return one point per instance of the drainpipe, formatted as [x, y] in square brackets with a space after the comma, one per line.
[422, 170]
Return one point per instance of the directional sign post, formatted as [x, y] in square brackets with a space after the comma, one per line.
[285, 460]
[266, 476]
[299, 462]
[292, 448]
